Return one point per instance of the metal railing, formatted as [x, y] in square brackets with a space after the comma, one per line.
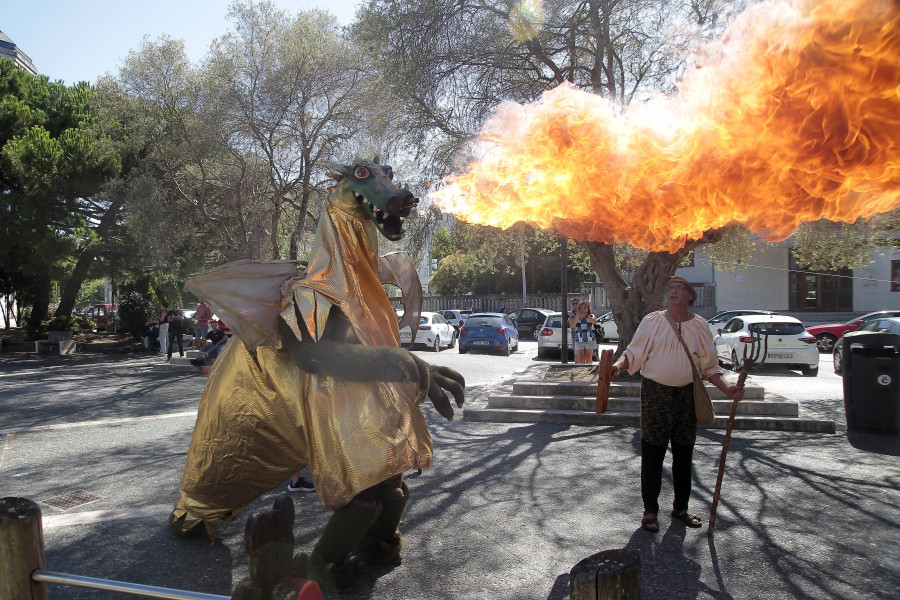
[135, 589]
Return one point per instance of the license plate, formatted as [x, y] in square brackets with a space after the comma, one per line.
[780, 355]
[481, 343]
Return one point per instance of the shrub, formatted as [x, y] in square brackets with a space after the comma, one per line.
[134, 308]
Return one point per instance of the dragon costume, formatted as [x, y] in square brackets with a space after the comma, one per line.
[317, 377]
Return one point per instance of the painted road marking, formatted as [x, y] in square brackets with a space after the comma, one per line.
[102, 516]
[98, 422]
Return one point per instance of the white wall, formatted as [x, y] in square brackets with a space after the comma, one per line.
[871, 285]
[762, 285]
[701, 272]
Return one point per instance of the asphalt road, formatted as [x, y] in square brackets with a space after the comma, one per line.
[503, 513]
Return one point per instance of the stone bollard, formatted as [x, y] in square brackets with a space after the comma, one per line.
[21, 549]
[607, 575]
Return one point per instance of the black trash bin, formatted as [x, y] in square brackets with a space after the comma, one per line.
[871, 365]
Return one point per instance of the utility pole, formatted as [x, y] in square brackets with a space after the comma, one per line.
[522, 254]
[564, 286]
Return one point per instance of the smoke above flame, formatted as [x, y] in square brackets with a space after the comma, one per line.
[793, 117]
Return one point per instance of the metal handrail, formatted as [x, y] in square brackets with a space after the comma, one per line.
[136, 589]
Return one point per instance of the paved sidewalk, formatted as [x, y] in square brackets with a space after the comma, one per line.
[504, 512]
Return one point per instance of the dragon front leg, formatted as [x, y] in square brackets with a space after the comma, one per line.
[338, 355]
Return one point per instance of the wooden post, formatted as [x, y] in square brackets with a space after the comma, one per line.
[21, 549]
[607, 575]
[604, 373]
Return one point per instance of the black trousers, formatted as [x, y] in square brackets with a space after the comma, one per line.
[176, 336]
[652, 457]
[667, 417]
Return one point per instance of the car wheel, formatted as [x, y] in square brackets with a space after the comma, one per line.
[452, 341]
[462, 350]
[506, 350]
[838, 365]
[825, 342]
[735, 363]
[810, 371]
[437, 343]
[537, 333]
[543, 353]
[516, 347]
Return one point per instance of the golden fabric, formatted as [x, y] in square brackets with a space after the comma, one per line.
[262, 419]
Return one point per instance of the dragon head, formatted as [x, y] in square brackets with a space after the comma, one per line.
[367, 187]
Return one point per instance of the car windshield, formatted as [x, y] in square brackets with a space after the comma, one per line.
[778, 328]
[555, 322]
[483, 321]
[423, 320]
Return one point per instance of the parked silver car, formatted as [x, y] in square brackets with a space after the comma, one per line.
[886, 325]
[550, 337]
[455, 317]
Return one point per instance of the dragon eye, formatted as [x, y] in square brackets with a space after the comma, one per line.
[361, 173]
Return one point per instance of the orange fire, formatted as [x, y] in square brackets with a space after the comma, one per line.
[794, 117]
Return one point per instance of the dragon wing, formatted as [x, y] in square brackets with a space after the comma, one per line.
[246, 295]
[398, 268]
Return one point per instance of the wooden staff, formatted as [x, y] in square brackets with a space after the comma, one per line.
[754, 353]
[604, 376]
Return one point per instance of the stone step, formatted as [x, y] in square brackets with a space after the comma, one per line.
[632, 404]
[633, 419]
[624, 389]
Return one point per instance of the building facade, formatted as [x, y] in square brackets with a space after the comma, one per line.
[8, 49]
[772, 280]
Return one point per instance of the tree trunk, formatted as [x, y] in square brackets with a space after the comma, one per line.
[87, 257]
[73, 285]
[40, 310]
[630, 303]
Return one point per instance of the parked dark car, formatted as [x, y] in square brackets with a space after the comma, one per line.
[488, 331]
[888, 324]
[529, 320]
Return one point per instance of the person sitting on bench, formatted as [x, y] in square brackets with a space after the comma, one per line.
[215, 341]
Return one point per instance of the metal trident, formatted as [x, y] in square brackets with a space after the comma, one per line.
[755, 350]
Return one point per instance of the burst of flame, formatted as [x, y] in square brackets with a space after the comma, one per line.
[795, 117]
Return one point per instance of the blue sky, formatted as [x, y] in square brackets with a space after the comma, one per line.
[74, 40]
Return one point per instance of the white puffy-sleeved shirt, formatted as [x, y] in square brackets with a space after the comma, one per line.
[656, 352]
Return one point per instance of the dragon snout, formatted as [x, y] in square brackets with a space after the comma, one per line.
[401, 204]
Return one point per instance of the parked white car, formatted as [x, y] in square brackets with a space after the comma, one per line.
[789, 344]
[721, 319]
[610, 329]
[434, 332]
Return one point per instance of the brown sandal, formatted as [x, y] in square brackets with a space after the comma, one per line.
[688, 519]
[650, 524]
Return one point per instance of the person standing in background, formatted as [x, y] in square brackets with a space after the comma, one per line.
[583, 340]
[164, 328]
[176, 331]
[201, 323]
